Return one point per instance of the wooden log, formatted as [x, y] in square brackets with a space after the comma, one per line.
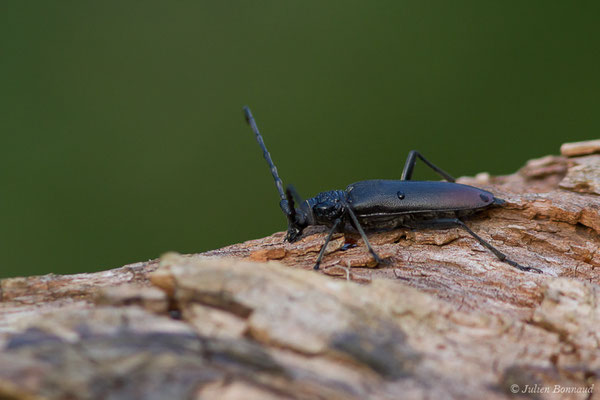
[441, 318]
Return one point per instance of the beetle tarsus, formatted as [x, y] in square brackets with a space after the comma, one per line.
[293, 234]
[377, 259]
[522, 268]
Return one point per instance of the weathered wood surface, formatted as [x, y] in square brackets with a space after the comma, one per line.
[442, 318]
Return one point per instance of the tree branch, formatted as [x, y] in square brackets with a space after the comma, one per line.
[441, 318]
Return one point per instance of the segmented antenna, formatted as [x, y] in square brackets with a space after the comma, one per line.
[261, 143]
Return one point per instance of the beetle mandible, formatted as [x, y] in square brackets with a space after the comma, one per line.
[384, 204]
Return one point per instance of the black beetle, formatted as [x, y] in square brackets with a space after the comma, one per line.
[384, 204]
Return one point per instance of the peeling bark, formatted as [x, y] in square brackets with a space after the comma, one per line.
[442, 318]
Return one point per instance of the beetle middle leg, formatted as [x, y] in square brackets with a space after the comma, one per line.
[360, 230]
[448, 222]
[409, 165]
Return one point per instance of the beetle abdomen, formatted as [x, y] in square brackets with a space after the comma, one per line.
[390, 197]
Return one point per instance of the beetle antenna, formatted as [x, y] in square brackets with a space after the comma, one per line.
[261, 143]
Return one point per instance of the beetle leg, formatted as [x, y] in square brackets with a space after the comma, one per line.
[322, 252]
[501, 256]
[289, 194]
[289, 209]
[362, 234]
[442, 222]
[409, 165]
[292, 190]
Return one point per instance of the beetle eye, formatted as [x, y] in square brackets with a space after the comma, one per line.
[320, 210]
[400, 195]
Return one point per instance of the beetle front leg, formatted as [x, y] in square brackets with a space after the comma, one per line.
[322, 252]
[409, 165]
[291, 191]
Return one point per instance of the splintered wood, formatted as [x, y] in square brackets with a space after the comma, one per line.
[441, 318]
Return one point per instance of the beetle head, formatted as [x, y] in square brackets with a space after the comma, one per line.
[326, 207]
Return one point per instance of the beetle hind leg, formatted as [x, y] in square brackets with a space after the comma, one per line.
[448, 222]
[501, 256]
[411, 160]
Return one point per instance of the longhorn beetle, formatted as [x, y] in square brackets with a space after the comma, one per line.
[384, 204]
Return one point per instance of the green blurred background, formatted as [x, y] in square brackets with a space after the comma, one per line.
[123, 136]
